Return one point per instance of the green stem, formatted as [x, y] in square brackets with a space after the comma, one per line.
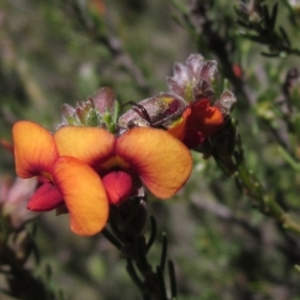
[266, 203]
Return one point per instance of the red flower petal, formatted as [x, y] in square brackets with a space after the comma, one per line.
[84, 195]
[162, 161]
[193, 138]
[118, 185]
[35, 150]
[46, 197]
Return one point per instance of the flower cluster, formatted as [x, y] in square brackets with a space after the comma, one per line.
[88, 168]
[92, 162]
[191, 110]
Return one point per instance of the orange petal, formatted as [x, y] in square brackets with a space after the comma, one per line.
[92, 145]
[34, 149]
[213, 117]
[84, 195]
[205, 118]
[178, 128]
[163, 162]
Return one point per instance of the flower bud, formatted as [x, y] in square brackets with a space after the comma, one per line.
[14, 198]
[202, 117]
[96, 111]
[104, 100]
[195, 79]
[226, 103]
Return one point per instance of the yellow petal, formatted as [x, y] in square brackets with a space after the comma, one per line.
[90, 144]
[84, 195]
[34, 149]
[162, 161]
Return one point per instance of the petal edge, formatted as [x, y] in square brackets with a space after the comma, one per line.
[34, 148]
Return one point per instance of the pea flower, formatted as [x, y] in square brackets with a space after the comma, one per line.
[151, 155]
[63, 179]
[195, 82]
[88, 168]
[197, 123]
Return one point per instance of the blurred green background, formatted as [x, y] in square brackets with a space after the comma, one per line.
[61, 51]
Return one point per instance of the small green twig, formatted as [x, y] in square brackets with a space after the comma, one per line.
[252, 187]
[111, 238]
[289, 159]
[164, 250]
[135, 249]
[135, 278]
[172, 277]
[261, 29]
[152, 234]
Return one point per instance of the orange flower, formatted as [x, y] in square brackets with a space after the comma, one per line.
[87, 168]
[64, 181]
[161, 162]
[195, 82]
[199, 121]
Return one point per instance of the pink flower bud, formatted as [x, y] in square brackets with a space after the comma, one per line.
[14, 198]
